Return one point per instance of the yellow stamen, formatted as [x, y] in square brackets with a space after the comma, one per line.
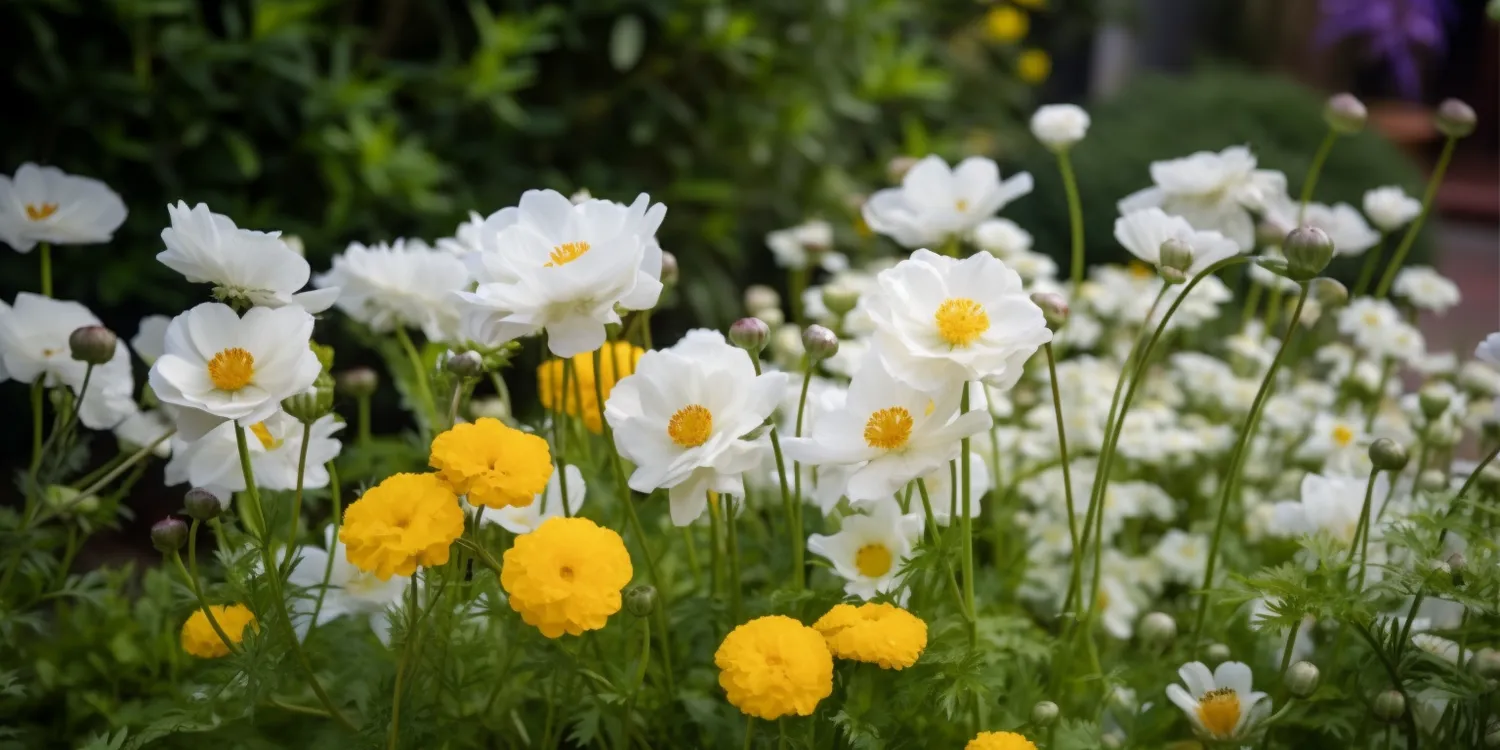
[1139, 270]
[873, 560]
[267, 440]
[37, 213]
[1219, 710]
[961, 204]
[231, 369]
[961, 321]
[888, 429]
[566, 253]
[1343, 435]
[690, 426]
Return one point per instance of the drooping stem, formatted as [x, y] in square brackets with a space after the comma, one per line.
[1367, 270]
[291, 542]
[1410, 237]
[966, 526]
[44, 254]
[1075, 217]
[790, 504]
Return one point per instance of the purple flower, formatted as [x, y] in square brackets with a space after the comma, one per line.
[1395, 30]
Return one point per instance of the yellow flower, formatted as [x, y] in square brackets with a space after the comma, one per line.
[999, 741]
[1005, 24]
[875, 633]
[617, 360]
[774, 666]
[1033, 66]
[495, 465]
[199, 638]
[405, 521]
[566, 576]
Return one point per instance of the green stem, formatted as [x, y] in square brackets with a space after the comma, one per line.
[291, 542]
[1361, 541]
[1367, 270]
[790, 504]
[99, 484]
[1416, 225]
[1062, 443]
[559, 429]
[749, 730]
[424, 388]
[939, 538]
[333, 547]
[736, 604]
[38, 394]
[640, 682]
[1325, 148]
[1075, 217]
[406, 649]
[796, 287]
[1252, 301]
[807, 375]
[57, 442]
[191, 579]
[966, 526]
[713, 549]
[44, 252]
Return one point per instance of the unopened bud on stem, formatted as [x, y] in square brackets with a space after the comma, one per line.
[639, 601]
[359, 382]
[1044, 713]
[467, 364]
[1158, 629]
[1454, 119]
[1390, 705]
[1302, 679]
[1308, 251]
[1176, 257]
[94, 345]
[169, 534]
[1387, 455]
[1345, 114]
[750, 334]
[202, 504]
[1054, 309]
[819, 342]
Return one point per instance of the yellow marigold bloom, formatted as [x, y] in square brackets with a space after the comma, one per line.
[405, 521]
[999, 741]
[617, 360]
[1005, 24]
[774, 666]
[494, 464]
[1033, 66]
[199, 638]
[876, 633]
[566, 576]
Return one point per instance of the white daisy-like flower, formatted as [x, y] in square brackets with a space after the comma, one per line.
[1329, 504]
[150, 338]
[1183, 556]
[1338, 440]
[1213, 191]
[212, 461]
[1002, 238]
[798, 247]
[1390, 208]
[225, 366]
[1377, 328]
[1488, 350]
[564, 269]
[935, 202]
[547, 504]
[45, 204]
[683, 416]
[406, 284]
[870, 548]
[480, 234]
[1221, 704]
[940, 321]
[1426, 289]
[249, 266]
[351, 592]
[1116, 603]
[1143, 232]
[890, 432]
[34, 344]
[1059, 126]
[946, 502]
[143, 428]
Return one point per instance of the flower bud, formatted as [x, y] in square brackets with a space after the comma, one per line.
[1158, 629]
[1111, 741]
[772, 316]
[1345, 114]
[169, 534]
[669, 269]
[1387, 455]
[63, 499]
[1217, 652]
[1302, 679]
[896, 168]
[1442, 435]
[202, 504]
[1308, 251]
[1054, 308]
[1433, 401]
[1454, 119]
[308, 406]
[640, 600]
[92, 344]
[1486, 663]
[359, 382]
[750, 334]
[1457, 565]
[468, 364]
[759, 297]
[840, 299]
[1433, 480]
[323, 353]
[1044, 713]
[819, 343]
[1330, 293]
[1390, 705]
[1175, 255]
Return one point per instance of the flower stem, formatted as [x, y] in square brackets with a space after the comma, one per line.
[559, 430]
[958, 595]
[291, 542]
[796, 286]
[749, 730]
[966, 526]
[713, 548]
[424, 388]
[1361, 541]
[807, 375]
[1062, 443]
[1075, 217]
[44, 254]
[640, 681]
[1410, 237]
[108, 477]
[333, 484]
[191, 579]
[790, 504]
[38, 394]
[1367, 271]
[1325, 148]
[406, 649]
[735, 599]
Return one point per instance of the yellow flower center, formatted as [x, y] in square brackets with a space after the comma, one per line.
[566, 573]
[690, 426]
[961, 321]
[873, 560]
[888, 429]
[231, 369]
[1139, 271]
[1343, 435]
[1219, 710]
[961, 204]
[566, 253]
[37, 213]
[1371, 319]
[267, 440]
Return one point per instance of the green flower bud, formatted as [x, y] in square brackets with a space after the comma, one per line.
[750, 334]
[202, 504]
[1433, 401]
[359, 382]
[324, 355]
[465, 364]
[1054, 309]
[1345, 114]
[1158, 629]
[640, 601]
[1308, 251]
[1329, 293]
[1302, 679]
[1390, 705]
[760, 297]
[1044, 713]
[63, 499]
[1387, 455]
[1454, 119]
[1217, 652]
[1176, 257]
[819, 343]
[169, 534]
[839, 299]
[94, 345]
[1433, 480]
[308, 406]
[669, 270]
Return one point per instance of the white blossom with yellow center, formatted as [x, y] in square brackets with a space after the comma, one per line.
[244, 265]
[34, 346]
[212, 461]
[1220, 704]
[45, 204]
[351, 592]
[1331, 505]
[870, 547]
[684, 416]
[935, 203]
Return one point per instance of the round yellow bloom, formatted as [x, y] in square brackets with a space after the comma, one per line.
[774, 666]
[1033, 66]
[876, 633]
[199, 638]
[1005, 24]
[617, 360]
[494, 464]
[999, 741]
[405, 521]
[566, 576]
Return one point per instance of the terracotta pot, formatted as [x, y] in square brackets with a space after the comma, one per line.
[1406, 124]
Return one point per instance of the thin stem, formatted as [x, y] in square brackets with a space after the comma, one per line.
[793, 516]
[419, 369]
[57, 442]
[38, 394]
[640, 682]
[1367, 271]
[559, 431]
[781, 733]
[191, 579]
[713, 548]
[1075, 217]
[1395, 676]
[44, 253]
[1361, 542]
[796, 287]
[291, 542]
[108, 477]
[406, 649]
[1316, 169]
[1410, 237]
[736, 604]
[966, 526]
[938, 537]
[749, 730]
[333, 547]
[807, 375]
[1062, 443]
[1252, 302]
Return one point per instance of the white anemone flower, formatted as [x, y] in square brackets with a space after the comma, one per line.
[34, 344]
[45, 204]
[890, 432]
[798, 247]
[1213, 191]
[1183, 556]
[547, 504]
[683, 417]
[1377, 328]
[1059, 126]
[1143, 232]
[1219, 704]
[244, 265]
[406, 284]
[870, 548]
[565, 269]
[935, 203]
[1390, 208]
[150, 339]
[1426, 289]
[212, 461]
[225, 366]
[480, 234]
[940, 321]
[351, 592]
[1002, 238]
[1329, 504]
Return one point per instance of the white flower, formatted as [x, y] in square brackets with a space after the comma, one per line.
[1116, 604]
[1329, 504]
[1390, 208]
[1344, 225]
[1377, 328]
[231, 367]
[564, 269]
[255, 267]
[143, 428]
[681, 418]
[1440, 647]
[1338, 440]
[893, 432]
[869, 550]
[795, 247]
[935, 203]
[1001, 237]
[405, 284]
[1184, 556]
[1220, 705]
[34, 344]
[1426, 289]
[941, 321]
[275, 444]
[480, 234]
[1143, 232]
[44, 204]
[150, 338]
[1059, 126]
[1489, 350]
[350, 591]
[1211, 190]
[547, 504]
